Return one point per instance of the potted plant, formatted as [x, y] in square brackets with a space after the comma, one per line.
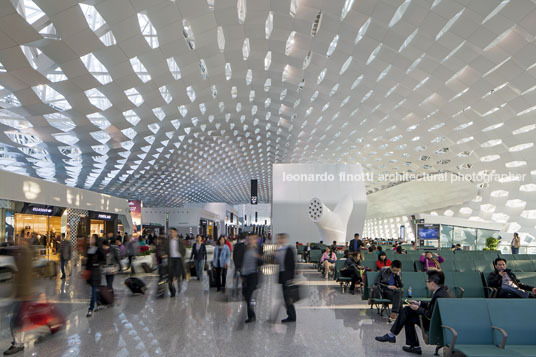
[491, 243]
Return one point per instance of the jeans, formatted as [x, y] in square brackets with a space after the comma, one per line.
[63, 262]
[511, 292]
[515, 250]
[110, 281]
[199, 266]
[93, 297]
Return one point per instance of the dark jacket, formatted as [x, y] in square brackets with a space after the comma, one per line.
[495, 280]
[199, 255]
[65, 250]
[238, 254]
[427, 308]
[384, 275]
[95, 259]
[352, 243]
[289, 266]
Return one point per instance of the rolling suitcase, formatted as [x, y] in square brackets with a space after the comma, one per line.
[105, 296]
[136, 286]
[211, 280]
[146, 268]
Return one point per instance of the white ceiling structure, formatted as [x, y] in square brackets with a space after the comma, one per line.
[186, 101]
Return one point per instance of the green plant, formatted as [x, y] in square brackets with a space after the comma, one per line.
[491, 243]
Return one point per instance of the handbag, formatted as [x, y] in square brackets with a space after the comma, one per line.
[86, 274]
[292, 294]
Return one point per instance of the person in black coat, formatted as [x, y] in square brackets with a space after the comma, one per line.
[95, 258]
[355, 244]
[507, 283]
[409, 316]
[238, 258]
[250, 274]
[199, 255]
[286, 258]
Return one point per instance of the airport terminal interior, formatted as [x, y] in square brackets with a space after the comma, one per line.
[267, 177]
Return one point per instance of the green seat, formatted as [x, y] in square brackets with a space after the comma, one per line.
[524, 266]
[464, 264]
[417, 282]
[407, 264]
[368, 281]
[315, 255]
[484, 264]
[471, 321]
[470, 282]
[516, 317]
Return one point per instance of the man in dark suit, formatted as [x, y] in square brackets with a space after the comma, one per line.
[287, 271]
[409, 316]
[238, 258]
[355, 244]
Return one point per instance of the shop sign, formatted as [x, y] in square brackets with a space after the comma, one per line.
[102, 216]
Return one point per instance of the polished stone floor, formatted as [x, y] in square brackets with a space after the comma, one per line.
[200, 323]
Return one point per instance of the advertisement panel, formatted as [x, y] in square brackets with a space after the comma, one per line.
[135, 211]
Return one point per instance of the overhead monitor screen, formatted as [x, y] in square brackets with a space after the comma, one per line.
[428, 231]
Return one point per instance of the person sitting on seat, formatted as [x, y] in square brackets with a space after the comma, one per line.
[328, 261]
[382, 261]
[507, 283]
[399, 250]
[390, 284]
[351, 269]
[458, 247]
[429, 262]
[409, 316]
[307, 252]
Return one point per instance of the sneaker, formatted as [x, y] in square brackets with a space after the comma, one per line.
[287, 320]
[386, 338]
[13, 349]
[89, 313]
[252, 319]
[410, 349]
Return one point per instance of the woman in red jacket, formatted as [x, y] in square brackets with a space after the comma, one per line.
[382, 261]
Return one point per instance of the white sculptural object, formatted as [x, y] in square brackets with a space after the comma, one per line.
[331, 224]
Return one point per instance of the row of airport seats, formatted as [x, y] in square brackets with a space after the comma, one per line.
[461, 261]
[484, 327]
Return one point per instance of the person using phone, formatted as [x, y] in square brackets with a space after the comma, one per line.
[409, 315]
[390, 284]
[328, 261]
[506, 282]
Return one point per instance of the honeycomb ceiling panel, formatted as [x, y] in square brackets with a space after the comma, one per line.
[186, 101]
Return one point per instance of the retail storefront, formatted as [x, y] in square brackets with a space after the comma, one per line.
[100, 223]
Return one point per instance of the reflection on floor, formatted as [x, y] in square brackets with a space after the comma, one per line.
[197, 323]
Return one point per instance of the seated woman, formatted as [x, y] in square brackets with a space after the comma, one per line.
[382, 261]
[352, 269]
[328, 261]
[429, 262]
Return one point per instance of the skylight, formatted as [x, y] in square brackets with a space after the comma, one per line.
[172, 65]
[346, 9]
[269, 25]
[188, 34]
[241, 10]
[290, 43]
[449, 24]
[362, 31]
[134, 96]
[141, 71]
[332, 45]
[148, 31]
[399, 13]
[221, 39]
[96, 68]
[267, 60]
[50, 96]
[245, 49]
[98, 99]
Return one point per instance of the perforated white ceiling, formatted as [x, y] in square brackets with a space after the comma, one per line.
[175, 101]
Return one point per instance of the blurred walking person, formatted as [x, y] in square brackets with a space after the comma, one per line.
[222, 259]
[250, 275]
[176, 252]
[95, 258]
[238, 259]
[199, 255]
[65, 255]
[286, 258]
